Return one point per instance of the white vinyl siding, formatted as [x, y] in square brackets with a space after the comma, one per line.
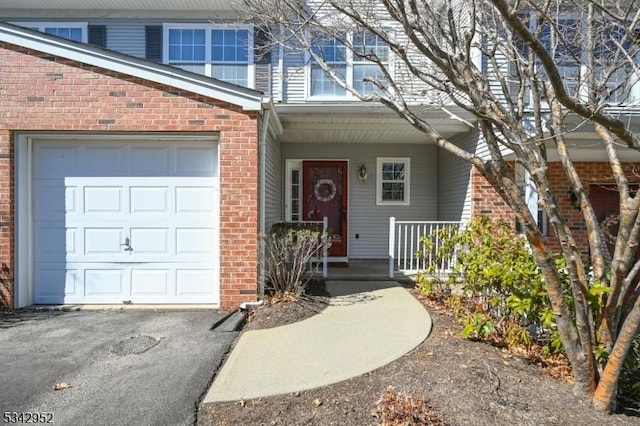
[366, 219]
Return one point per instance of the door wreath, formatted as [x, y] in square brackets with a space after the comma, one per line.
[324, 190]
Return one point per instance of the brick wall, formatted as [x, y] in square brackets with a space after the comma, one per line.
[40, 92]
[485, 201]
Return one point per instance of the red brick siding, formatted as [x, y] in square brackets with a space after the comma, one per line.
[44, 93]
[486, 201]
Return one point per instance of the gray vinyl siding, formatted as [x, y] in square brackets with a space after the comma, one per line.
[273, 185]
[366, 219]
[454, 182]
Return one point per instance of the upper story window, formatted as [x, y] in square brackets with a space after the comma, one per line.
[225, 53]
[565, 38]
[392, 181]
[354, 66]
[70, 30]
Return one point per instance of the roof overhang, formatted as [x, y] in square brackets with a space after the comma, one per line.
[247, 99]
[360, 122]
[119, 8]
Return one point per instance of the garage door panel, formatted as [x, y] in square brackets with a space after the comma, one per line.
[102, 161]
[54, 161]
[168, 217]
[50, 201]
[146, 200]
[103, 241]
[195, 161]
[108, 282]
[149, 161]
[150, 241]
[194, 241]
[194, 199]
[151, 282]
[51, 281]
[103, 200]
[194, 283]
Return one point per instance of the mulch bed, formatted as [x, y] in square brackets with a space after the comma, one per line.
[445, 380]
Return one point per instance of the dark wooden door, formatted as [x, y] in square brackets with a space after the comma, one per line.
[324, 193]
[605, 200]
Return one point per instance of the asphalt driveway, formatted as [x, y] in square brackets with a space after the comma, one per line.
[124, 367]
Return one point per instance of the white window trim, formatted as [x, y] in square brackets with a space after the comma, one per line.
[41, 25]
[632, 92]
[407, 180]
[290, 166]
[309, 62]
[251, 80]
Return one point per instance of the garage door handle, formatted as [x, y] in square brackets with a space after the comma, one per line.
[126, 243]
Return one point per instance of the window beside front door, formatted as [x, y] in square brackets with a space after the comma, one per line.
[392, 181]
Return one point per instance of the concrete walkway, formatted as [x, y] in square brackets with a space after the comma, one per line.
[366, 325]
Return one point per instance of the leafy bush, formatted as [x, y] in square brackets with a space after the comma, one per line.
[289, 249]
[503, 296]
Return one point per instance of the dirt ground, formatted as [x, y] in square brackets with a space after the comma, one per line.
[445, 380]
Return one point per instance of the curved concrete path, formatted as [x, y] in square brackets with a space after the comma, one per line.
[366, 325]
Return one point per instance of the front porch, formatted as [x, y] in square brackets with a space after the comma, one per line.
[413, 248]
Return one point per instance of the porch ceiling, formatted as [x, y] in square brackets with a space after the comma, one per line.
[357, 124]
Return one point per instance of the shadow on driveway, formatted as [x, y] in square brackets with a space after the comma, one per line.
[123, 367]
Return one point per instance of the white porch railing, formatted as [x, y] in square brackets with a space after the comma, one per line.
[325, 250]
[406, 252]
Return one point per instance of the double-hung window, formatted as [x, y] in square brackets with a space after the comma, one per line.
[225, 53]
[392, 181]
[333, 52]
[368, 47]
[355, 65]
[565, 42]
[76, 31]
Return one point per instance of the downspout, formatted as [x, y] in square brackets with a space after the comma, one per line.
[263, 190]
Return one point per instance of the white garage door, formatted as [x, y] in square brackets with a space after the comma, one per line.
[125, 221]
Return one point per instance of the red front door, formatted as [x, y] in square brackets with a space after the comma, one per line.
[324, 193]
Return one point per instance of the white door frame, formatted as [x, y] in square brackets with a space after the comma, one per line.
[23, 187]
[296, 164]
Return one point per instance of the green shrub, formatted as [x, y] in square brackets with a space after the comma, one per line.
[289, 249]
[503, 296]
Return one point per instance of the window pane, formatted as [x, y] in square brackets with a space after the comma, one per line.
[393, 191]
[366, 43]
[197, 68]
[236, 74]
[230, 46]
[331, 51]
[360, 72]
[186, 45]
[321, 83]
[68, 33]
